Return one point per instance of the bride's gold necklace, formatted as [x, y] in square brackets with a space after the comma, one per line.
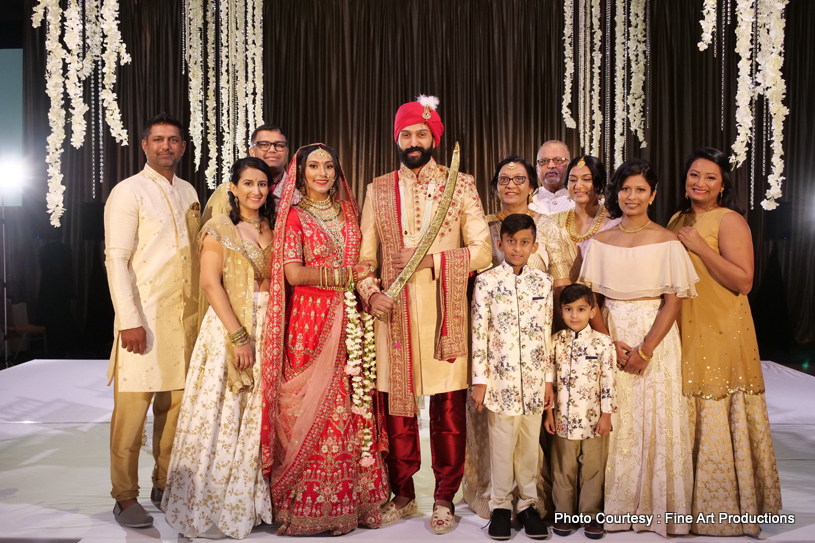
[325, 210]
[257, 223]
[708, 208]
[595, 226]
[634, 231]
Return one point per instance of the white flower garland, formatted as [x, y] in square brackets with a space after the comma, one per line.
[597, 61]
[211, 172]
[258, 62]
[73, 80]
[115, 53]
[636, 52]
[568, 53]
[54, 88]
[771, 83]
[195, 68]
[745, 13]
[361, 367]
[708, 23]
[619, 83]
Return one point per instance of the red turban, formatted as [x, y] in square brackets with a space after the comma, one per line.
[423, 110]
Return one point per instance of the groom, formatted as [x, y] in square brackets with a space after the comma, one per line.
[422, 337]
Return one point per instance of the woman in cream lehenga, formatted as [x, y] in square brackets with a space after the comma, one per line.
[733, 454]
[215, 487]
[586, 181]
[321, 449]
[644, 273]
[513, 183]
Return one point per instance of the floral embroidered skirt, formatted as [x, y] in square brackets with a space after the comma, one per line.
[215, 475]
[650, 470]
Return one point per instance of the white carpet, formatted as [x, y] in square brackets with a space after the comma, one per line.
[54, 478]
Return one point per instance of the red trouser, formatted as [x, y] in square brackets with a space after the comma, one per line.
[447, 444]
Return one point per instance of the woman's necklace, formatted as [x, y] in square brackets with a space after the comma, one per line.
[324, 210]
[595, 226]
[708, 208]
[501, 215]
[257, 223]
[634, 231]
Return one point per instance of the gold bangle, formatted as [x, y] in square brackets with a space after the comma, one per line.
[238, 333]
[642, 354]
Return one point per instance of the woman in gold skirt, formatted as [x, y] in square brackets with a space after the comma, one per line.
[733, 456]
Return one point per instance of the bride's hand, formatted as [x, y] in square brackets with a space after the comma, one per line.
[244, 356]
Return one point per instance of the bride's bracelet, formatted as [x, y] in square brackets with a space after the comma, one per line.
[642, 354]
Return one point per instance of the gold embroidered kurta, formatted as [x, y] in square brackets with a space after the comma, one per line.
[151, 259]
[464, 226]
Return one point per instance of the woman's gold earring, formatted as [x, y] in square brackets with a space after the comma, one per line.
[686, 196]
[529, 199]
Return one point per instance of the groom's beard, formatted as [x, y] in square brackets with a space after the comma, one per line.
[414, 162]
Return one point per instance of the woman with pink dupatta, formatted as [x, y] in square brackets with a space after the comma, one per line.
[321, 443]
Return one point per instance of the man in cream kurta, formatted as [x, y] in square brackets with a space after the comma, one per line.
[151, 220]
[421, 343]
[552, 196]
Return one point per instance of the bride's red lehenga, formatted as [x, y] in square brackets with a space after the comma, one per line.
[311, 440]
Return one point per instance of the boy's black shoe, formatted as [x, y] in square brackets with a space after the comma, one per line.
[533, 524]
[500, 524]
[594, 530]
[562, 528]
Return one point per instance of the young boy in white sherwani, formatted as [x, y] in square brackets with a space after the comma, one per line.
[512, 325]
[581, 420]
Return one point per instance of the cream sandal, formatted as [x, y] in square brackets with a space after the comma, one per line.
[443, 519]
[391, 514]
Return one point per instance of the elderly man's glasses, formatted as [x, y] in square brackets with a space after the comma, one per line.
[557, 161]
[279, 146]
[520, 180]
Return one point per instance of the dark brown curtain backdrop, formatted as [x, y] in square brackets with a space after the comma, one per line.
[337, 70]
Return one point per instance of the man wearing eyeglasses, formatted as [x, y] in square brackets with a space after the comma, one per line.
[553, 196]
[271, 146]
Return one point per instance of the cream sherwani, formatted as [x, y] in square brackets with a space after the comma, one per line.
[466, 227]
[152, 264]
[549, 203]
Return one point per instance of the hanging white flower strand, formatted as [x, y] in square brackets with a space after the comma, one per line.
[771, 83]
[745, 13]
[195, 71]
[50, 9]
[597, 61]
[114, 53]
[636, 53]
[708, 23]
[568, 54]
[75, 65]
[620, 109]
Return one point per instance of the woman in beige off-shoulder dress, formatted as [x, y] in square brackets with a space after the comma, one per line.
[644, 273]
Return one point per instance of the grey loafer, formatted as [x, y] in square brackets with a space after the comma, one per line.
[132, 517]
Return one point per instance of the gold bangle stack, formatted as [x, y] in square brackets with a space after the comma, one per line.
[239, 337]
[337, 278]
[642, 354]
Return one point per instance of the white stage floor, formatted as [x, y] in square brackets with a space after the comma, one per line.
[54, 477]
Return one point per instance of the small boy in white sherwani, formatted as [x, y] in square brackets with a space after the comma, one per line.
[512, 326]
[584, 362]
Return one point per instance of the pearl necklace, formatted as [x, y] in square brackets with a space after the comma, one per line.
[595, 226]
[634, 231]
